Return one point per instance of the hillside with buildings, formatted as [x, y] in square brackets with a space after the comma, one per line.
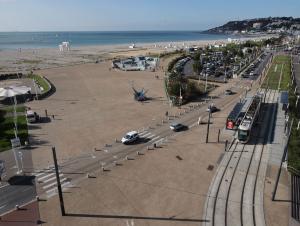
[259, 25]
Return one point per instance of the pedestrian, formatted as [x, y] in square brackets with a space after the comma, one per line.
[46, 113]
[52, 116]
[167, 113]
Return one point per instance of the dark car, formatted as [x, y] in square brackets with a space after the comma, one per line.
[228, 92]
[177, 126]
[212, 109]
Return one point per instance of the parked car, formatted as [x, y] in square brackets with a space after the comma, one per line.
[228, 92]
[130, 137]
[177, 126]
[212, 108]
[32, 117]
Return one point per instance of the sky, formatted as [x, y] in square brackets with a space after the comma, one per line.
[127, 15]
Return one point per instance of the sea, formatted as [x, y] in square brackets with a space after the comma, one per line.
[33, 40]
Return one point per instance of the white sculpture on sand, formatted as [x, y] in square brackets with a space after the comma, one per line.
[64, 46]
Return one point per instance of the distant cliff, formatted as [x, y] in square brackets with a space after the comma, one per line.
[258, 25]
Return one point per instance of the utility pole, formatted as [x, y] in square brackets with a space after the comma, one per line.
[61, 200]
[205, 81]
[208, 123]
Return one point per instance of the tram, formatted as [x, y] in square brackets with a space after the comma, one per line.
[237, 114]
[247, 123]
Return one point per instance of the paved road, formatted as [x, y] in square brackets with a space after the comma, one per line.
[12, 195]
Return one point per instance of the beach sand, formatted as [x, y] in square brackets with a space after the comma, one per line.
[25, 60]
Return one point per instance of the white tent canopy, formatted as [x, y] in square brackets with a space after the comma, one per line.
[13, 91]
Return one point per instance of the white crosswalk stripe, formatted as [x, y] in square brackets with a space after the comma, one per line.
[145, 135]
[47, 179]
[148, 135]
[153, 135]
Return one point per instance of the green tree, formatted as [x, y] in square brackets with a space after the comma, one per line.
[197, 67]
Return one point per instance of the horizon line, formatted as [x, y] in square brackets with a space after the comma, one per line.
[191, 30]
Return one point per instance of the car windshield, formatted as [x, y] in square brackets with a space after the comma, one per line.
[127, 136]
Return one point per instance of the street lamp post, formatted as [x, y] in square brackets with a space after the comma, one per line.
[21, 158]
[208, 123]
[205, 81]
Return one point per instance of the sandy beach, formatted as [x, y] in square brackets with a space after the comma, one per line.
[25, 60]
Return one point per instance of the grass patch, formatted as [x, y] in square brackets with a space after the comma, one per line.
[11, 109]
[41, 82]
[7, 131]
[280, 64]
[294, 144]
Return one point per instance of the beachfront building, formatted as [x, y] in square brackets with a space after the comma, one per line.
[140, 63]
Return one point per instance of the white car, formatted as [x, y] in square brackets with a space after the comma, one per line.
[32, 116]
[130, 137]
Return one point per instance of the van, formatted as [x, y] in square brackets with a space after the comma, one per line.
[130, 137]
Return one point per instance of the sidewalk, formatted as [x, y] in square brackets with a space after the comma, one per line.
[277, 212]
[27, 215]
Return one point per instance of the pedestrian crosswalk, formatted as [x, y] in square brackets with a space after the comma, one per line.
[153, 138]
[47, 181]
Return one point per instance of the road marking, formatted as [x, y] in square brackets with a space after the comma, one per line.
[4, 186]
[65, 184]
[40, 174]
[1, 207]
[158, 141]
[147, 134]
[151, 136]
[50, 185]
[51, 190]
[52, 178]
[194, 124]
[44, 177]
[143, 133]
[155, 138]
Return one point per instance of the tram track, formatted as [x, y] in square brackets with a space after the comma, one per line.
[250, 180]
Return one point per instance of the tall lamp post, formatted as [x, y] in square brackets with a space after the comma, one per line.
[208, 123]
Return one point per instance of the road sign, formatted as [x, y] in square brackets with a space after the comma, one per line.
[15, 142]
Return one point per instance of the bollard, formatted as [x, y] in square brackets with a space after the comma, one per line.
[154, 145]
[162, 122]
[37, 198]
[219, 135]
[103, 169]
[88, 175]
[127, 158]
[226, 143]
[46, 113]
[17, 207]
[138, 153]
[199, 121]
